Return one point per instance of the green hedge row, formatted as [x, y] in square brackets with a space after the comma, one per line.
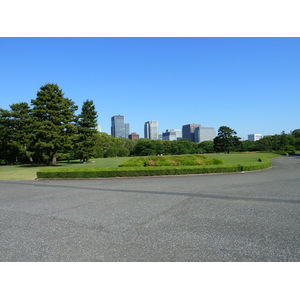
[147, 171]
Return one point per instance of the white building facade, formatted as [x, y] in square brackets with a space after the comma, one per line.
[151, 130]
[254, 137]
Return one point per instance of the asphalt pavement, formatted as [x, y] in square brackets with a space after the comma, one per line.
[252, 216]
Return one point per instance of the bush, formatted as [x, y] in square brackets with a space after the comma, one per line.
[171, 160]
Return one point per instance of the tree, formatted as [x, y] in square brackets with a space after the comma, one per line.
[86, 131]
[8, 146]
[14, 132]
[247, 145]
[226, 140]
[145, 147]
[183, 146]
[206, 147]
[21, 120]
[52, 124]
[296, 133]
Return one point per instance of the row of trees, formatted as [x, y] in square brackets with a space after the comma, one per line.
[50, 130]
[226, 141]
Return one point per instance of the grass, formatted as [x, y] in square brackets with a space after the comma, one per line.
[28, 172]
[241, 158]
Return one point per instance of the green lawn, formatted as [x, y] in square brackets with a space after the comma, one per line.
[28, 172]
[237, 158]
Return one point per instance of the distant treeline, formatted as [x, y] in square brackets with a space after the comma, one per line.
[49, 130]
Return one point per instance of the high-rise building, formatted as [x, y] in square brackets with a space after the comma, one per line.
[118, 127]
[188, 131]
[202, 134]
[254, 137]
[172, 135]
[151, 130]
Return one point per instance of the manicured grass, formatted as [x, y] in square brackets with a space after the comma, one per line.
[242, 158]
[234, 163]
[19, 172]
[28, 172]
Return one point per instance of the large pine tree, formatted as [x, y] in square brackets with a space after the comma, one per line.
[53, 128]
[226, 140]
[14, 132]
[86, 131]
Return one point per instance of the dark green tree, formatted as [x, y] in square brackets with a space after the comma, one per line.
[14, 126]
[247, 145]
[183, 146]
[52, 127]
[21, 120]
[206, 147]
[167, 147]
[86, 131]
[145, 147]
[296, 133]
[9, 148]
[226, 140]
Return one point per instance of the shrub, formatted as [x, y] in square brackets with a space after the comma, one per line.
[171, 160]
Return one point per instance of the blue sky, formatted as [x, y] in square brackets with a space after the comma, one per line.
[249, 84]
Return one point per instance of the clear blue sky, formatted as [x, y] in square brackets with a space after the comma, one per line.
[249, 84]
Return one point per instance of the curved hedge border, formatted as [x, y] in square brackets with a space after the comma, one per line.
[149, 171]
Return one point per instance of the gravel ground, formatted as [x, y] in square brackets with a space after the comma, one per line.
[231, 217]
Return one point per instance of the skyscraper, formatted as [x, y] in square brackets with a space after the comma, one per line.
[118, 127]
[151, 130]
[202, 134]
[172, 135]
[188, 131]
[254, 137]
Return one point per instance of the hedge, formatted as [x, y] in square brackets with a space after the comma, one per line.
[148, 171]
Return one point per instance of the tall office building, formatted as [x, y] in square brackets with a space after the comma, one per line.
[202, 134]
[118, 127]
[151, 130]
[254, 137]
[172, 135]
[188, 131]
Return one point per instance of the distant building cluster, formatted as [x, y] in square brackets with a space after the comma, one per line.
[194, 132]
[172, 135]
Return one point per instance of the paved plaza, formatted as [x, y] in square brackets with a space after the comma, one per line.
[253, 216]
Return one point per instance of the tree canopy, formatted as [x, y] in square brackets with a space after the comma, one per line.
[86, 124]
[52, 126]
[226, 140]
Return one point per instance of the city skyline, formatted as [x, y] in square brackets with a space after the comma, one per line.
[248, 84]
[194, 132]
